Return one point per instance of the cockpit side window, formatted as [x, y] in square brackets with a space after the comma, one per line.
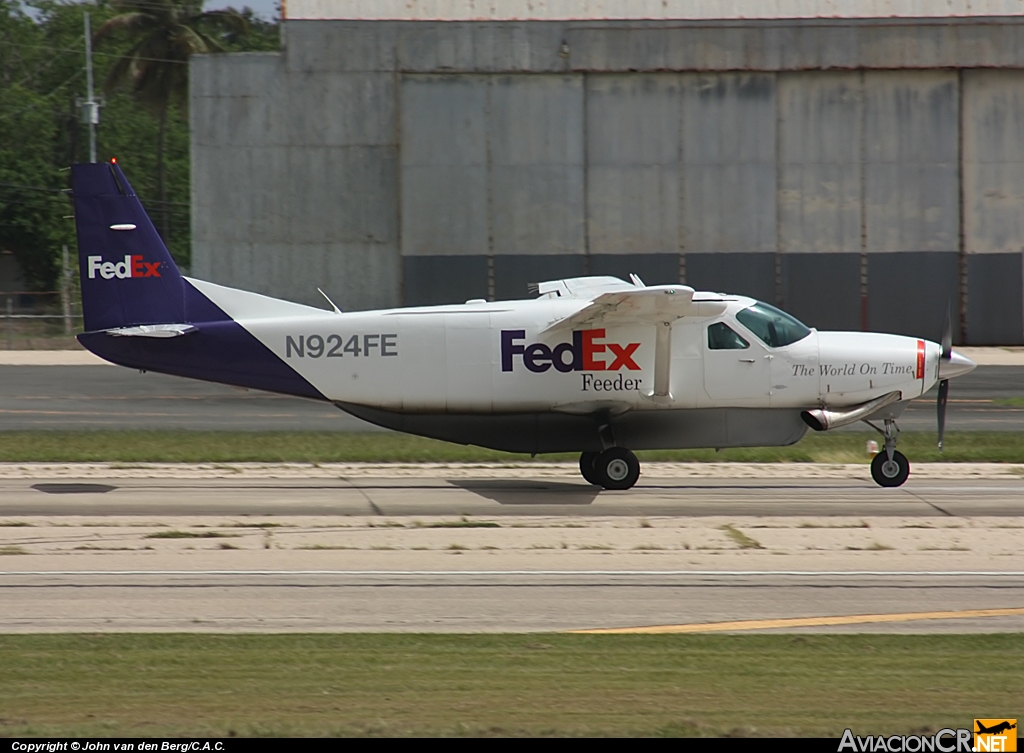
[774, 327]
[722, 337]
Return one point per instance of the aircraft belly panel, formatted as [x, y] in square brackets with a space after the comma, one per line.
[540, 432]
[709, 427]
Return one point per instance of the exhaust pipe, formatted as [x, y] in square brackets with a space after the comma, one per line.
[823, 419]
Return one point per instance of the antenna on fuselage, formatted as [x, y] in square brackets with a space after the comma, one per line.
[636, 280]
[333, 304]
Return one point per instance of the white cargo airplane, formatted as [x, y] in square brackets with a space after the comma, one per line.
[593, 365]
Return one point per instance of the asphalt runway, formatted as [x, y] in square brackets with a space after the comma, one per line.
[512, 497]
[111, 397]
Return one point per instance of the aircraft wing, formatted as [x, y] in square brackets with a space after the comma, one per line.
[653, 305]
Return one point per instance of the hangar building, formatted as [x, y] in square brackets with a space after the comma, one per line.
[858, 162]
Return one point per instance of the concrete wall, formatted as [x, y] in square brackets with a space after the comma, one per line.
[993, 189]
[667, 10]
[859, 173]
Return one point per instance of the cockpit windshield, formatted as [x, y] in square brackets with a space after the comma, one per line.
[775, 328]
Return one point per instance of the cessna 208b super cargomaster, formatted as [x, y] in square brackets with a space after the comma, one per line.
[593, 365]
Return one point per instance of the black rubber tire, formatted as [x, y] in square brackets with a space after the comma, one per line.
[587, 468]
[890, 474]
[617, 468]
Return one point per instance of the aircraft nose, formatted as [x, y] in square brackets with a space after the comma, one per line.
[957, 365]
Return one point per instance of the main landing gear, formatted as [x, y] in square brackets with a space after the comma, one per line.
[889, 467]
[615, 468]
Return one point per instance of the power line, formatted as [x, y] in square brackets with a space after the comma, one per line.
[46, 189]
[29, 188]
[35, 74]
[49, 94]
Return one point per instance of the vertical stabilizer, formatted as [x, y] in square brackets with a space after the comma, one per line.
[128, 276]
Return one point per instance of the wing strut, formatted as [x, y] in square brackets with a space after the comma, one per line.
[662, 363]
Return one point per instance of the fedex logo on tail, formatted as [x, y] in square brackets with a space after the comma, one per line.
[584, 353]
[132, 266]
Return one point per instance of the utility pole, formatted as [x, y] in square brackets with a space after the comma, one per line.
[65, 290]
[91, 106]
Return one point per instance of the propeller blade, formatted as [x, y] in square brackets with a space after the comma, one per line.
[947, 335]
[943, 397]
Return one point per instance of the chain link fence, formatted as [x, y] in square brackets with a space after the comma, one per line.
[43, 320]
[33, 320]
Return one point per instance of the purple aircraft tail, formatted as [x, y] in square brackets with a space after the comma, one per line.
[130, 283]
[128, 276]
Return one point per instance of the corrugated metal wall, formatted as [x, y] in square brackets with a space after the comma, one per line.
[399, 163]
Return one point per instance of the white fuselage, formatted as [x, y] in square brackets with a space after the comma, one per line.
[482, 358]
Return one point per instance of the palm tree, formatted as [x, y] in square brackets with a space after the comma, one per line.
[164, 33]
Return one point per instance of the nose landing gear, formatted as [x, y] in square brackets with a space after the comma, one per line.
[890, 472]
[615, 468]
[889, 467]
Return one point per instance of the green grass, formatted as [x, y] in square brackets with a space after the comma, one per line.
[189, 535]
[464, 523]
[807, 685]
[741, 539]
[323, 447]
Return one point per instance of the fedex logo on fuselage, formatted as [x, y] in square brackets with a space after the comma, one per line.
[584, 353]
[132, 266]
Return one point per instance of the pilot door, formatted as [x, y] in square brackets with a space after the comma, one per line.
[737, 367]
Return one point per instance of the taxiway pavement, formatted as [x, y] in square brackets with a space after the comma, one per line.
[668, 489]
[497, 548]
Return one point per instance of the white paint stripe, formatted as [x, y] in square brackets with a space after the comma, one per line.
[646, 573]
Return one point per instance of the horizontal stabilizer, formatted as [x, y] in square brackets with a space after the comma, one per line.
[652, 305]
[153, 330]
